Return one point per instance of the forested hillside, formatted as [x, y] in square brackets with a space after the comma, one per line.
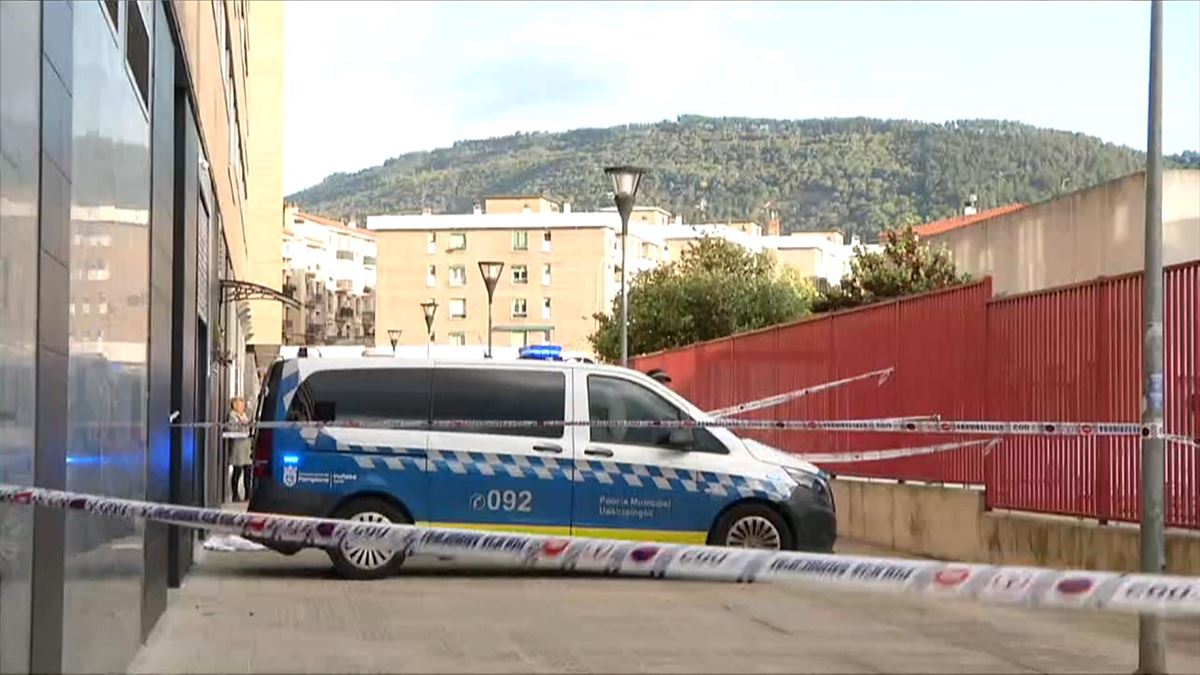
[858, 175]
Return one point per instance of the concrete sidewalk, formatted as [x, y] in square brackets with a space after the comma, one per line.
[265, 613]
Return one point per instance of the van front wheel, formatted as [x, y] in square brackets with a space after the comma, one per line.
[752, 526]
[362, 560]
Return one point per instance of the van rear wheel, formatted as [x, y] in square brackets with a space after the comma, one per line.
[364, 560]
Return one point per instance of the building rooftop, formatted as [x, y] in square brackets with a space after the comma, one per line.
[947, 224]
[335, 224]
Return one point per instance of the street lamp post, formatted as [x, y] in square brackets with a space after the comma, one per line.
[429, 307]
[490, 270]
[394, 336]
[626, 180]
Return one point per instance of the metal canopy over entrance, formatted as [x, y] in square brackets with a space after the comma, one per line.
[234, 290]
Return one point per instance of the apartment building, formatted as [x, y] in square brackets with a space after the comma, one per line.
[330, 267]
[126, 222]
[560, 267]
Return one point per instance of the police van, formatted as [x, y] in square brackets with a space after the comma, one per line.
[691, 485]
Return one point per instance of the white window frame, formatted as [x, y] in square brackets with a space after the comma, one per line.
[520, 240]
[463, 236]
[545, 308]
[430, 276]
[521, 313]
[431, 243]
[461, 315]
[525, 276]
[546, 241]
[461, 279]
[546, 274]
[457, 338]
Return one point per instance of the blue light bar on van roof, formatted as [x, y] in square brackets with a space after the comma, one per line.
[541, 353]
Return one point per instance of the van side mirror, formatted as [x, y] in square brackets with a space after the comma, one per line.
[682, 439]
[324, 411]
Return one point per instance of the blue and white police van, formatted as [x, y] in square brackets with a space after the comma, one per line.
[698, 485]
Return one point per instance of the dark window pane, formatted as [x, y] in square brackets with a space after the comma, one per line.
[363, 395]
[269, 394]
[612, 399]
[137, 50]
[110, 8]
[494, 394]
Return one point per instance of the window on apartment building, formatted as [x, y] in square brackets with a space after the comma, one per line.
[458, 308]
[458, 339]
[97, 270]
[546, 274]
[431, 242]
[458, 275]
[520, 308]
[369, 260]
[545, 308]
[431, 276]
[520, 240]
[102, 305]
[137, 46]
[520, 274]
[458, 241]
[343, 254]
[546, 241]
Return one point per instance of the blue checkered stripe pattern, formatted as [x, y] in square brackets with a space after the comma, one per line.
[621, 474]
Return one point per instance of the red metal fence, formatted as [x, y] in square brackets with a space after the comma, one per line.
[1064, 354]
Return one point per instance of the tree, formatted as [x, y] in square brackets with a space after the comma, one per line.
[715, 289]
[905, 266]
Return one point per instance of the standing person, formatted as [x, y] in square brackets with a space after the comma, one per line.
[239, 447]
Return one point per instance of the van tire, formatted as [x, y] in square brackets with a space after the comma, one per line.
[750, 517]
[346, 561]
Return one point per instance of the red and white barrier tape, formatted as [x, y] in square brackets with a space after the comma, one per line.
[883, 425]
[780, 399]
[894, 453]
[1033, 587]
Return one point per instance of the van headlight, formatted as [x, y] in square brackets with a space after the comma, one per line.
[804, 478]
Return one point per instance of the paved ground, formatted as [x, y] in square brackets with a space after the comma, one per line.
[261, 612]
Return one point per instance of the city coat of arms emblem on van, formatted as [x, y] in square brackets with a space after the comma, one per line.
[290, 474]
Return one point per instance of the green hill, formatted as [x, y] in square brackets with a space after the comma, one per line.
[857, 175]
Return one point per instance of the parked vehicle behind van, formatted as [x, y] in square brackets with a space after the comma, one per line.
[675, 485]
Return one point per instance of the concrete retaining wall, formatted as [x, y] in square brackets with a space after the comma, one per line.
[951, 524]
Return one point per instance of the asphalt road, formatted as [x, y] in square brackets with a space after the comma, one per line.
[262, 612]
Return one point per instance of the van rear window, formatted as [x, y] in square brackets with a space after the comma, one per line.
[496, 394]
[363, 395]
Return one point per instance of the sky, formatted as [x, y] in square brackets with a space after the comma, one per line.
[365, 81]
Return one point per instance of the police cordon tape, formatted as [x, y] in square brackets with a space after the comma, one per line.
[894, 453]
[882, 425]
[780, 399]
[1165, 595]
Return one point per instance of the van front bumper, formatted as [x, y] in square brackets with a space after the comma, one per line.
[812, 517]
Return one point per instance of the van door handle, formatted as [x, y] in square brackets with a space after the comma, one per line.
[556, 449]
[598, 452]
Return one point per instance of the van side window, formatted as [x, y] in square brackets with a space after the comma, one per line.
[496, 394]
[612, 399]
[362, 395]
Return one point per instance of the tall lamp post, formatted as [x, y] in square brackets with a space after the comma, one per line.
[394, 337]
[626, 180]
[429, 307]
[490, 269]
[1152, 643]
